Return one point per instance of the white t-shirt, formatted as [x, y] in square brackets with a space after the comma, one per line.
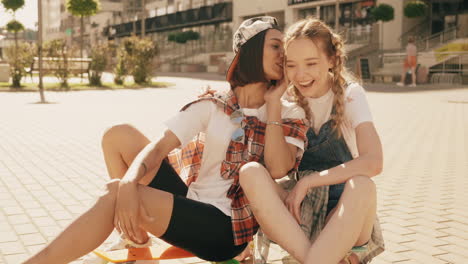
[356, 112]
[411, 50]
[207, 117]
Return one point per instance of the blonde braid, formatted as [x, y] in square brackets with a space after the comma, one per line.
[296, 97]
[339, 81]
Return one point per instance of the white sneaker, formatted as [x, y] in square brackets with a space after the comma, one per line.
[121, 243]
[400, 84]
[413, 85]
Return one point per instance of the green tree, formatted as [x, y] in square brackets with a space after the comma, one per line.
[13, 5]
[415, 9]
[82, 9]
[136, 57]
[99, 61]
[383, 13]
[184, 36]
[22, 57]
[58, 60]
[14, 26]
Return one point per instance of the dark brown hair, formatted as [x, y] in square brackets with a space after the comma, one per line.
[249, 68]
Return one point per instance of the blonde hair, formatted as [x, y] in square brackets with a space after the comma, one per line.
[333, 46]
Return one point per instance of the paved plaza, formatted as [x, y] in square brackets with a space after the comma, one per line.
[52, 169]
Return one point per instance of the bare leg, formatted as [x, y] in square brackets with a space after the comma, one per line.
[120, 145]
[266, 201]
[402, 78]
[90, 229]
[413, 75]
[403, 75]
[84, 234]
[349, 225]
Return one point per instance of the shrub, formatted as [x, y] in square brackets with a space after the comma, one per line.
[415, 9]
[59, 53]
[138, 56]
[383, 12]
[120, 69]
[98, 64]
[19, 61]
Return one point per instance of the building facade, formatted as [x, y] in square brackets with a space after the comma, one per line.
[215, 21]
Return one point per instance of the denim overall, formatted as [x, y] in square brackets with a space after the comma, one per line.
[325, 151]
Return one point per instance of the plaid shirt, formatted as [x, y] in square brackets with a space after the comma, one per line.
[187, 161]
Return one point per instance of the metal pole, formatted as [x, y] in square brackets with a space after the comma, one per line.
[337, 16]
[39, 45]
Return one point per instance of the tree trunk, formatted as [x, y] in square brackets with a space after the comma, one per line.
[16, 72]
[81, 44]
[39, 44]
[143, 18]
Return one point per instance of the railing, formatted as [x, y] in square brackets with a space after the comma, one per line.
[447, 62]
[294, 2]
[393, 58]
[217, 13]
[358, 35]
[418, 31]
[437, 39]
[452, 62]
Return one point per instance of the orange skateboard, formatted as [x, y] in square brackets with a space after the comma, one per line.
[157, 252]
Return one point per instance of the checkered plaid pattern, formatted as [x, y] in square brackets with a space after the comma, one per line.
[187, 161]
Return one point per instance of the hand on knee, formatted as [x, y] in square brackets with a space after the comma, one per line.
[110, 189]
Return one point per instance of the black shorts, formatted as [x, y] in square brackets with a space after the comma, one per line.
[195, 226]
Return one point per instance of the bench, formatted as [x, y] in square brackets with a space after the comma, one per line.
[75, 65]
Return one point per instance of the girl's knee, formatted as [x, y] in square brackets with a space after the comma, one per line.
[116, 132]
[250, 173]
[363, 185]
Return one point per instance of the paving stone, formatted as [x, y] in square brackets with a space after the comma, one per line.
[8, 236]
[421, 257]
[15, 258]
[453, 258]
[22, 229]
[34, 248]
[32, 239]
[36, 212]
[61, 215]
[44, 221]
[13, 210]
[455, 249]
[10, 248]
[422, 247]
[456, 241]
